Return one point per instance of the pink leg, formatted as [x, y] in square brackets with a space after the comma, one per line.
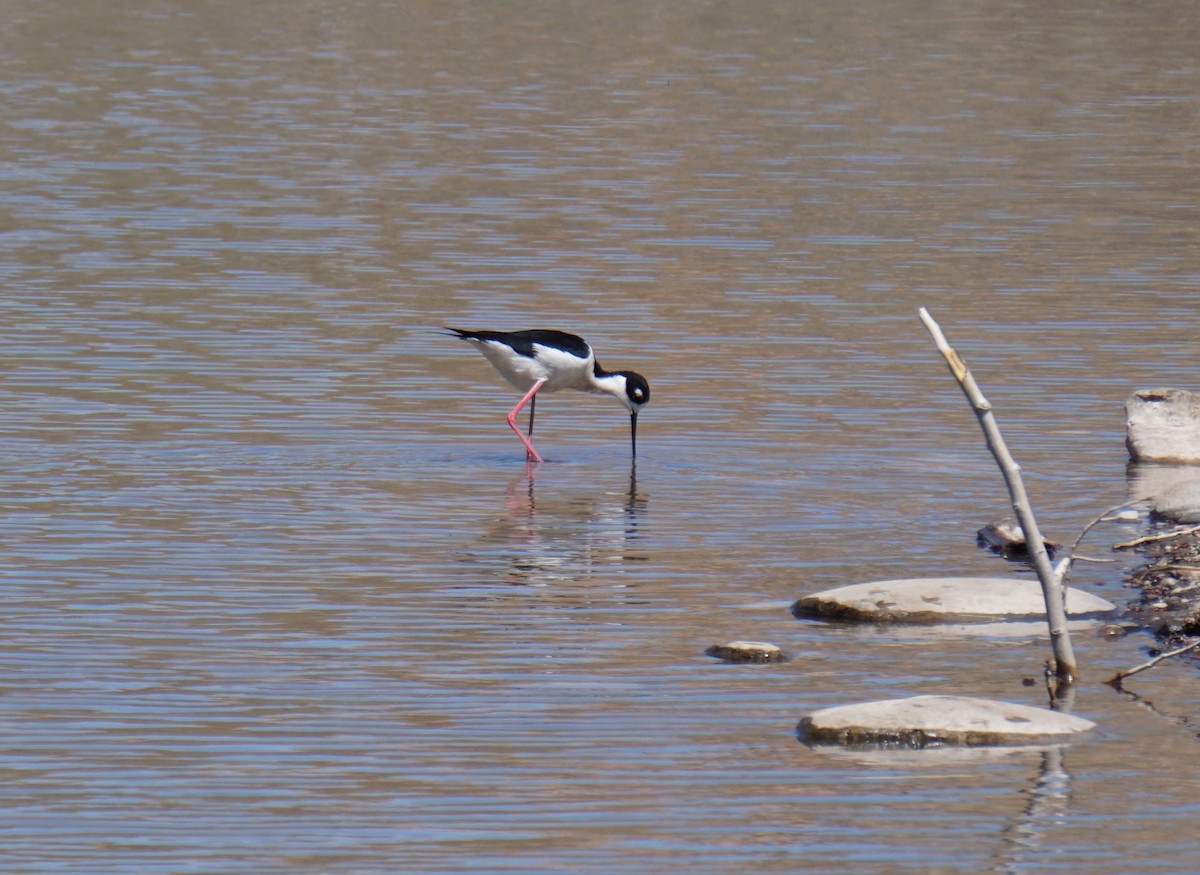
[530, 453]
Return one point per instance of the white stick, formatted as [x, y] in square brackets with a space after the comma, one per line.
[1052, 591]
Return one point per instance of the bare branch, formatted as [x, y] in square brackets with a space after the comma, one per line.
[1052, 591]
[1150, 539]
[1072, 557]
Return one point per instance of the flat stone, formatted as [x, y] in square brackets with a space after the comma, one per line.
[747, 651]
[939, 720]
[1163, 425]
[941, 599]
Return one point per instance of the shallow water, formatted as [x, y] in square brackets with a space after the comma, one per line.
[280, 592]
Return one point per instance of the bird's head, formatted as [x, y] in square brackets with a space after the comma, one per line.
[636, 394]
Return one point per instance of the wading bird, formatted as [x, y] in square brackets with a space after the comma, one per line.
[546, 361]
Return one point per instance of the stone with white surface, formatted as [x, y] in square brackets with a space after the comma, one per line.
[747, 651]
[942, 599]
[1163, 425]
[939, 720]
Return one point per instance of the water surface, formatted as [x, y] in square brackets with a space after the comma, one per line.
[281, 594]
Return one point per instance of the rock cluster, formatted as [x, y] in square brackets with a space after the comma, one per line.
[1163, 437]
[1169, 605]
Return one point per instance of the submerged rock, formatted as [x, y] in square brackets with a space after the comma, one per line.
[1163, 425]
[939, 720]
[1007, 538]
[746, 651]
[941, 599]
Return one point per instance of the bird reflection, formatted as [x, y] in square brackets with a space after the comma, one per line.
[561, 538]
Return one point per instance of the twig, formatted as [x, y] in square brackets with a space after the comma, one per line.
[1071, 557]
[1116, 679]
[1052, 591]
[1083, 558]
[1149, 539]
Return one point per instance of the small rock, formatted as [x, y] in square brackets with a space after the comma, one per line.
[746, 651]
[1111, 630]
[1163, 425]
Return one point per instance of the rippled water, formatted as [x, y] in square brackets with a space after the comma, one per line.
[280, 593]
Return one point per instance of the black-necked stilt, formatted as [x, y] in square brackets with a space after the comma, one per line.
[542, 360]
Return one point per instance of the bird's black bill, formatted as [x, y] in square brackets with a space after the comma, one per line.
[633, 432]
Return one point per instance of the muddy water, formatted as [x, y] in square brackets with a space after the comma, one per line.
[280, 593]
